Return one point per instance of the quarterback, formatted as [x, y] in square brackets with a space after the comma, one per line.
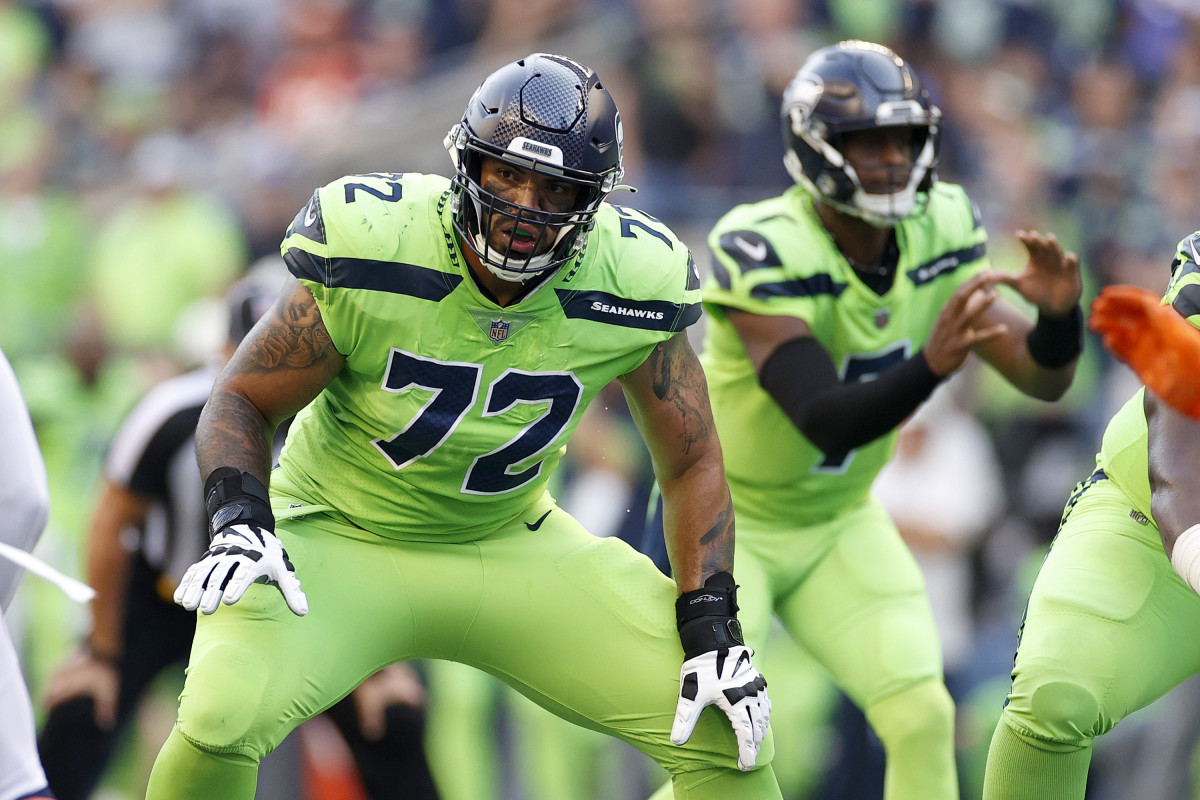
[1113, 620]
[440, 341]
[835, 310]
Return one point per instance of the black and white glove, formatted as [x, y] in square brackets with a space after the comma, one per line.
[717, 668]
[243, 548]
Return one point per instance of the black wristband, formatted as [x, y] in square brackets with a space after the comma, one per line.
[1054, 343]
[232, 497]
[707, 618]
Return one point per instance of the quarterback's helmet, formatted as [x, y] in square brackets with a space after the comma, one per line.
[548, 114]
[857, 86]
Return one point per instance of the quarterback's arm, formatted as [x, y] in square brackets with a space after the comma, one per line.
[800, 376]
[282, 364]
[1039, 359]
[1173, 464]
[668, 396]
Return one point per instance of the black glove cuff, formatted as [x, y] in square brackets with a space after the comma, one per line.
[232, 497]
[1054, 343]
[707, 618]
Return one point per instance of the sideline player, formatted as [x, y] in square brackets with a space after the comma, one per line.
[443, 339]
[835, 309]
[1113, 620]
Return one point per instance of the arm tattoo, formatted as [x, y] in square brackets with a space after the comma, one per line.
[233, 433]
[679, 381]
[717, 543]
[297, 337]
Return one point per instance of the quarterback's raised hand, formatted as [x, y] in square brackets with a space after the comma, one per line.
[243, 549]
[1051, 279]
[717, 669]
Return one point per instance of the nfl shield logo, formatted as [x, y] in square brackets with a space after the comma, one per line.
[881, 318]
[499, 330]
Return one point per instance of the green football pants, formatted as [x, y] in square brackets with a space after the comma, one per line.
[582, 625]
[1109, 628]
[851, 594]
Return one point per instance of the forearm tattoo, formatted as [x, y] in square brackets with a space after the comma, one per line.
[679, 380]
[717, 542]
[233, 433]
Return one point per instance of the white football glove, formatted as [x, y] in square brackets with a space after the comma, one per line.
[238, 556]
[724, 678]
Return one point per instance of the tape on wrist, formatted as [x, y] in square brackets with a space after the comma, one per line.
[1185, 558]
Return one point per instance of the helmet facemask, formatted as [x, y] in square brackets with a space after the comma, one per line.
[476, 210]
[814, 131]
[549, 115]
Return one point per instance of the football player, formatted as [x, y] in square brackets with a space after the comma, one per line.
[440, 340]
[835, 309]
[1113, 620]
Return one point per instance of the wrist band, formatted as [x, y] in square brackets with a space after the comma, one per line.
[707, 617]
[1054, 343]
[1185, 557]
[234, 497]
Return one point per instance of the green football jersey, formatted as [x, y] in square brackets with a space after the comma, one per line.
[775, 257]
[1123, 455]
[451, 412]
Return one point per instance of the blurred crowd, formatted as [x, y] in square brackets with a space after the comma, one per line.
[152, 151]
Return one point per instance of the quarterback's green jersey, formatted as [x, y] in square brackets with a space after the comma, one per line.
[775, 257]
[451, 412]
[1123, 455]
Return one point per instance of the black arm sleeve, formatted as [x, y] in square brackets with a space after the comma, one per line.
[838, 417]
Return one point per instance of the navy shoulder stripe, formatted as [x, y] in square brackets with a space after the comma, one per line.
[946, 264]
[306, 266]
[391, 276]
[1187, 300]
[822, 283]
[378, 276]
[651, 315]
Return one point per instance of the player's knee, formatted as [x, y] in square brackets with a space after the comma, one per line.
[1058, 710]
[920, 713]
[222, 704]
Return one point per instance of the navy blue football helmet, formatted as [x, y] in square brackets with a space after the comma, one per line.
[548, 114]
[856, 86]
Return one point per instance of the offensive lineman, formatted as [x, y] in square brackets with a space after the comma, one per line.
[835, 310]
[439, 385]
[1113, 620]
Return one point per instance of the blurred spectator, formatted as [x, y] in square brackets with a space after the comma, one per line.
[164, 248]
